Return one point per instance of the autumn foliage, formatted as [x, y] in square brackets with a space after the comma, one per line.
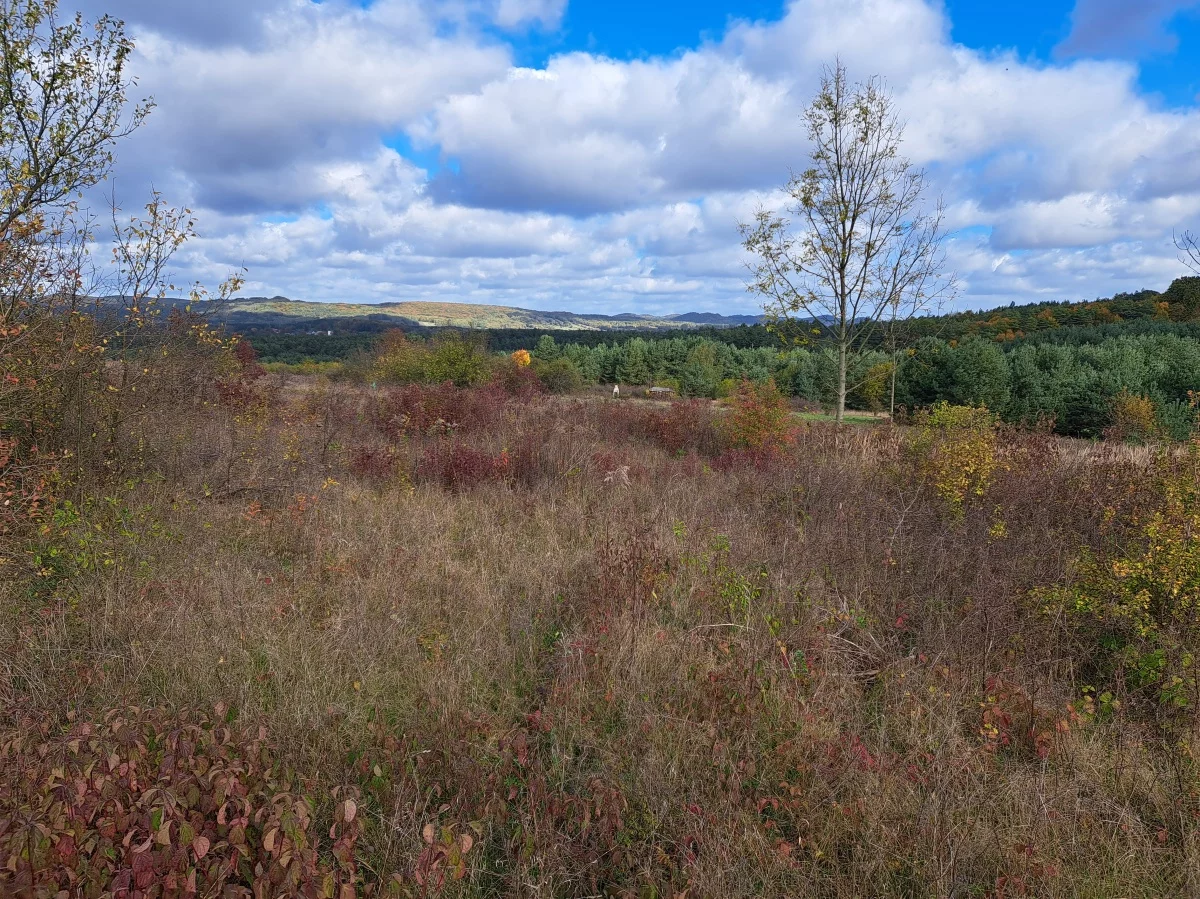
[760, 418]
[1133, 419]
[955, 450]
[463, 643]
[1132, 611]
[140, 804]
[453, 628]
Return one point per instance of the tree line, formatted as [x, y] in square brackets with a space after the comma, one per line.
[1077, 386]
[1071, 375]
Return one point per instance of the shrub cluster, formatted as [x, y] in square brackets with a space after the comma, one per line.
[457, 466]
[441, 409]
[761, 419]
[954, 450]
[142, 804]
[464, 361]
[1132, 612]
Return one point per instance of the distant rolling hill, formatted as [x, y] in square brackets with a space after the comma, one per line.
[713, 319]
[282, 313]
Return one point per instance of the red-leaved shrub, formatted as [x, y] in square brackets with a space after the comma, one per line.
[24, 487]
[517, 379]
[745, 458]
[247, 360]
[459, 467]
[419, 409]
[374, 463]
[145, 803]
[760, 418]
[689, 426]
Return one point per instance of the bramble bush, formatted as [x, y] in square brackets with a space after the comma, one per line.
[688, 426]
[378, 464]
[517, 378]
[456, 466]
[440, 409]
[759, 430]
[1013, 721]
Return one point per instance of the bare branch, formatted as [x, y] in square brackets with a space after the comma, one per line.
[1188, 245]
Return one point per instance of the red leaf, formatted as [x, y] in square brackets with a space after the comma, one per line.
[200, 847]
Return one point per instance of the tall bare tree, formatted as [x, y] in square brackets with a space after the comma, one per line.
[865, 254]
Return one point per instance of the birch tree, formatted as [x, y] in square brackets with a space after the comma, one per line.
[854, 249]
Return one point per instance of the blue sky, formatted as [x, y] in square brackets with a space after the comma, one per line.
[627, 29]
[1033, 28]
[1036, 30]
[597, 156]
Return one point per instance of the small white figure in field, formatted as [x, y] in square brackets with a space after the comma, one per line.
[616, 391]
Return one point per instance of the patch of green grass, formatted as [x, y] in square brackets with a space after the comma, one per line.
[851, 418]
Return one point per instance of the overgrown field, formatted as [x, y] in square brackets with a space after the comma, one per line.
[325, 640]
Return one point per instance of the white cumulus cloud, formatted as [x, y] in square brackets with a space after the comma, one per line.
[395, 151]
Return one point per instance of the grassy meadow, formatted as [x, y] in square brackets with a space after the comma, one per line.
[409, 615]
[308, 638]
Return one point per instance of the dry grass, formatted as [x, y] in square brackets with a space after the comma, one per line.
[633, 671]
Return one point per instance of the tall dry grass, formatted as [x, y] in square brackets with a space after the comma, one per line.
[621, 657]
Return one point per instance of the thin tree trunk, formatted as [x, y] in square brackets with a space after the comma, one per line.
[841, 394]
[892, 406]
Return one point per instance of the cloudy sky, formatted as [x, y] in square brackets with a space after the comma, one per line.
[597, 155]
